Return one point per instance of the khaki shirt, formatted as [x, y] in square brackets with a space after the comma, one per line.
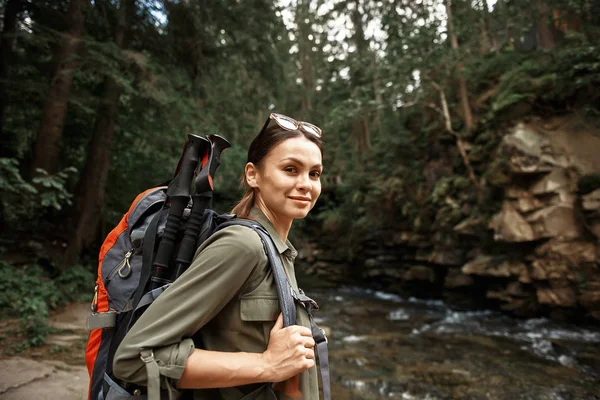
[227, 300]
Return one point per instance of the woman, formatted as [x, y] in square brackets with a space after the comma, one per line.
[227, 298]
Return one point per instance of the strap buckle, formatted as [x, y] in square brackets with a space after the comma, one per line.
[148, 357]
[308, 303]
[324, 335]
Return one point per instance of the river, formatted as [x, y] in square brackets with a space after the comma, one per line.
[383, 346]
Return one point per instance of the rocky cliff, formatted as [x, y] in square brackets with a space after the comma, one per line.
[538, 255]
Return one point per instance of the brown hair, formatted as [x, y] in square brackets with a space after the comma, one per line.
[259, 148]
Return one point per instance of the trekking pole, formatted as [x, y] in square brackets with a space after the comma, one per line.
[202, 197]
[178, 195]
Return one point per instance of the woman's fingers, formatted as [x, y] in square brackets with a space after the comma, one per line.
[290, 350]
[306, 331]
[278, 324]
[310, 342]
[309, 353]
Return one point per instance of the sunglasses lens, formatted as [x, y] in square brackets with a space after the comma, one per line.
[285, 122]
[310, 128]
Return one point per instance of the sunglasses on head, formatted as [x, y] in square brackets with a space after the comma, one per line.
[290, 124]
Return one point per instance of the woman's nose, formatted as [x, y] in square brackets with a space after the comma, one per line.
[303, 182]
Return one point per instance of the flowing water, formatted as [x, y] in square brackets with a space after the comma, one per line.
[384, 346]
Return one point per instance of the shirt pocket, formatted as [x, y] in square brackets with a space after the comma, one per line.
[259, 308]
[258, 314]
[260, 304]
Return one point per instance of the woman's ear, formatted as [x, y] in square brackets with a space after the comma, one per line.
[251, 173]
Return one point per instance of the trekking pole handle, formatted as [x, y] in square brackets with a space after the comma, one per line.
[178, 193]
[188, 243]
[204, 187]
[204, 180]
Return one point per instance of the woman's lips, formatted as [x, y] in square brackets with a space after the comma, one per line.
[298, 198]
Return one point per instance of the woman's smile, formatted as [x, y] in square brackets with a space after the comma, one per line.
[300, 200]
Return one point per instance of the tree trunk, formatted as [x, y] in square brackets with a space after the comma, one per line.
[48, 144]
[377, 87]
[544, 35]
[92, 182]
[485, 44]
[305, 54]
[488, 24]
[460, 144]
[462, 84]
[360, 126]
[360, 131]
[9, 30]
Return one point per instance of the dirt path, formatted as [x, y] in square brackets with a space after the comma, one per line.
[54, 371]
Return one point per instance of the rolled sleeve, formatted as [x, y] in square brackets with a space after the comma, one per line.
[220, 269]
[176, 356]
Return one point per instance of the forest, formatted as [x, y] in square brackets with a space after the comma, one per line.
[421, 103]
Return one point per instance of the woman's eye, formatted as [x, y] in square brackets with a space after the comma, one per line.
[289, 169]
[315, 174]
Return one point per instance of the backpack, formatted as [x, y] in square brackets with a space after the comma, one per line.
[151, 247]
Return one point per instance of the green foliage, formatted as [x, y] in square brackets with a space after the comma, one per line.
[19, 284]
[54, 193]
[497, 172]
[550, 77]
[76, 284]
[449, 187]
[34, 320]
[21, 200]
[449, 197]
[15, 192]
[29, 294]
[347, 222]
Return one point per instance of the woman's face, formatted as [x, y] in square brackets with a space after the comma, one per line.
[288, 183]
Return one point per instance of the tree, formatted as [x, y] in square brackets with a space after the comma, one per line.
[359, 74]
[92, 182]
[9, 29]
[305, 45]
[47, 148]
[462, 83]
[545, 36]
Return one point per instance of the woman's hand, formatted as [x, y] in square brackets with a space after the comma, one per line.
[290, 351]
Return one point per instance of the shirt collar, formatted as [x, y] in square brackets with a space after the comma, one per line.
[284, 248]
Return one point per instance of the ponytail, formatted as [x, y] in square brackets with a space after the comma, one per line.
[244, 206]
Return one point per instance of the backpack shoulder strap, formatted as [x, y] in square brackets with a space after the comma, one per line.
[284, 289]
[286, 301]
